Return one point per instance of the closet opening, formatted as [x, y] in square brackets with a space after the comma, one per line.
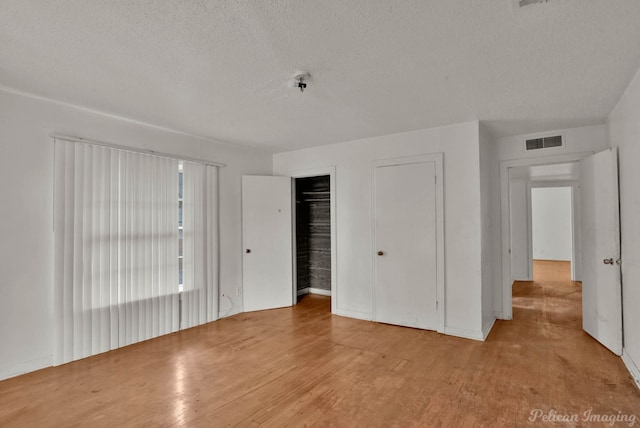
[313, 236]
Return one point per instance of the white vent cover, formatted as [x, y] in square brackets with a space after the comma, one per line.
[544, 143]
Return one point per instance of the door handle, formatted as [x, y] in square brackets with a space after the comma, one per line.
[381, 253]
[247, 251]
[608, 261]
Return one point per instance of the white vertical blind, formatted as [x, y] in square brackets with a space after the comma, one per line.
[116, 248]
[200, 265]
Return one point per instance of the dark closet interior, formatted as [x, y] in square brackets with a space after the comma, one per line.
[313, 235]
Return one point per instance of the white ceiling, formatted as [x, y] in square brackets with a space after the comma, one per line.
[220, 68]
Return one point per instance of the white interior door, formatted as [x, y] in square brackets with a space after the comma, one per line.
[601, 287]
[405, 243]
[266, 235]
[520, 244]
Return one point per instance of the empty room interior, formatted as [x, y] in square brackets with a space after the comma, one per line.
[320, 213]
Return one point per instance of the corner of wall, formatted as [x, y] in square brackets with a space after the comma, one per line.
[632, 367]
[487, 162]
[464, 333]
[487, 326]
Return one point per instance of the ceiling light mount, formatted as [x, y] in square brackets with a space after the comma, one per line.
[301, 79]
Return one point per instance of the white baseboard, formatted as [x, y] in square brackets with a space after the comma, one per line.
[464, 333]
[311, 290]
[632, 367]
[353, 314]
[487, 329]
[232, 311]
[26, 367]
[500, 316]
[451, 331]
[320, 291]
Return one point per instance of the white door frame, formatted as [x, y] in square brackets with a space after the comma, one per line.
[315, 172]
[437, 159]
[507, 280]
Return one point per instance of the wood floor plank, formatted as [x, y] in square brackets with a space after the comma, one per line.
[302, 366]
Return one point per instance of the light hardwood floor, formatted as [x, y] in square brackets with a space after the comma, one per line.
[302, 366]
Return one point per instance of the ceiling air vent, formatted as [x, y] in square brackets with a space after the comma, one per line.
[544, 143]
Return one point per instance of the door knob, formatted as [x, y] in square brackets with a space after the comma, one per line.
[608, 261]
[247, 251]
[381, 253]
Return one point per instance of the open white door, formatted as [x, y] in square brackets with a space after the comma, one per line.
[601, 287]
[266, 235]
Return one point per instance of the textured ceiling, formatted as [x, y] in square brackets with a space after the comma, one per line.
[220, 68]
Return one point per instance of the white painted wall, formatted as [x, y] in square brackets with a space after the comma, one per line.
[26, 245]
[577, 140]
[624, 133]
[487, 164]
[463, 230]
[551, 223]
[519, 215]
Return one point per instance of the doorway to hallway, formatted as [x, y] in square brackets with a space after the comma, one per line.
[597, 222]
